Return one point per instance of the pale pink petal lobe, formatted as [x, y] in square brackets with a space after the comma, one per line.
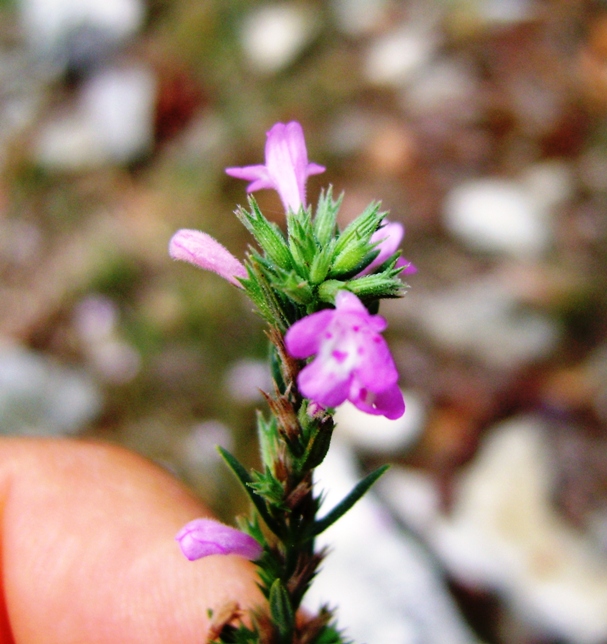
[204, 251]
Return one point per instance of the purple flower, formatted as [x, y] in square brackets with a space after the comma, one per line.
[202, 250]
[203, 537]
[352, 361]
[286, 169]
[389, 237]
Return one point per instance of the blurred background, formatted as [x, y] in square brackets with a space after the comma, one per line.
[481, 125]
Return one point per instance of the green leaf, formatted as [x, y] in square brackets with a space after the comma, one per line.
[251, 526]
[263, 295]
[341, 508]
[295, 287]
[243, 476]
[281, 609]
[302, 243]
[268, 235]
[356, 256]
[361, 228]
[326, 217]
[330, 635]
[269, 488]
[317, 447]
[267, 432]
[328, 290]
[322, 263]
[377, 285]
[256, 292]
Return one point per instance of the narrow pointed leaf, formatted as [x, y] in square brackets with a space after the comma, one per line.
[243, 476]
[326, 217]
[322, 263]
[268, 235]
[377, 285]
[281, 609]
[361, 228]
[341, 508]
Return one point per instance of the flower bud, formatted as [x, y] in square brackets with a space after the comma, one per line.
[204, 251]
[203, 537]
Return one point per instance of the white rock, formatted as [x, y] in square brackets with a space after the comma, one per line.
[395, 57]
[504, 534]
[499, 216]
[273, 36]
[49, 23]
[39, 396]
[381, 581]
[112, 122]
[378, 434]
[483, 318]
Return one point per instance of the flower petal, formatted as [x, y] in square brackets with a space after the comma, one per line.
[286, 169]
[204, 537]
[388, 238]
[389, 403]
[322, 385]
[376, 368]
[287, 162]
[346, 302]
[304, 337]
[352, 359]
[315, 168]
[249, 172]
[406, 265]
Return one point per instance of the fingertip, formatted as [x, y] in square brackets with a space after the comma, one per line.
[88, 535]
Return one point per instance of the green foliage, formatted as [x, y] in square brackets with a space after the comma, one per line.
[246, 480]
[267, 432]
[325, 222]
[267, 235]
[343, 506]
[360, 228]
[269, 488]
[281, 610]
[302, 273]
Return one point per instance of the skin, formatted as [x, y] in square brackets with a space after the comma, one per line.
[88, 550]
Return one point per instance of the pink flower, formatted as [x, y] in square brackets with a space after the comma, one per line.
[203, 537]
[389, 237]
[352, 361]
[286, 169]
[203, 251]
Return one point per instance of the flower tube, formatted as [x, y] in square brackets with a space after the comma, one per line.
[204, 537]
[204, 251]
[286, 169]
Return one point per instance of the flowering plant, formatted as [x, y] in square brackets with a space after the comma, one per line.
[318, 288]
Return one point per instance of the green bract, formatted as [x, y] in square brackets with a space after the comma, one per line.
[300, 273]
